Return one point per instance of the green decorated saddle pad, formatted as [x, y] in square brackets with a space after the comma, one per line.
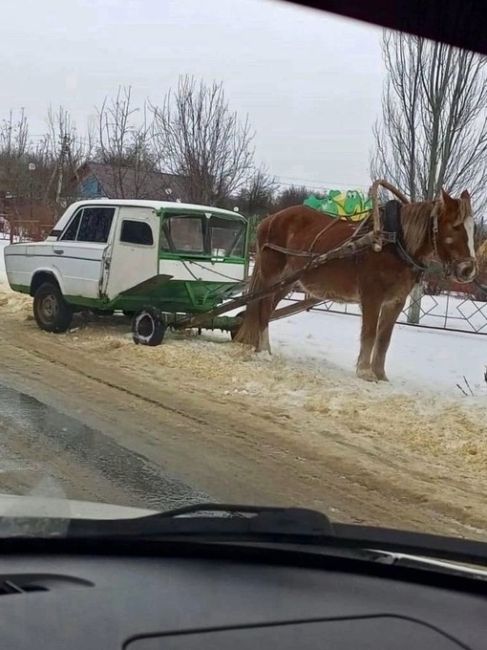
[350, 205]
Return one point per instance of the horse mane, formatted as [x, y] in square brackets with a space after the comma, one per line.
[415, 220]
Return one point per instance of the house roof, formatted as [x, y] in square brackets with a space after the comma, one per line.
[127, 182]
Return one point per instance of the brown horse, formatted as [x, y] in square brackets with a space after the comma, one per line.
[379, 281]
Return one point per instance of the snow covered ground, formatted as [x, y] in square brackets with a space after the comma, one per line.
[419, 358]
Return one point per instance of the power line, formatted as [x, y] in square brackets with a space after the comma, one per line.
[315, 184]
[322, 186]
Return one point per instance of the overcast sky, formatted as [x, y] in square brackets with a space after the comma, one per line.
[310, 82]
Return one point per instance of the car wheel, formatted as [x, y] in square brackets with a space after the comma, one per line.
[148, 327]
[51, 312]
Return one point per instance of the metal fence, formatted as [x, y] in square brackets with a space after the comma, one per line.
[23, 230]
[446, 311]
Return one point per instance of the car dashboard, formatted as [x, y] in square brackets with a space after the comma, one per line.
[148, 603]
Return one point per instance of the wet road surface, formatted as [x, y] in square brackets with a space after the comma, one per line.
[44, 452]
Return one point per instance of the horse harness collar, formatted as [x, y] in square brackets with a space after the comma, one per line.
[392, 226]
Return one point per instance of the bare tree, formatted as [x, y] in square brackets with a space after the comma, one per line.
[63, 152]
[256, 198]
[14, 144]
[433, 130]
[125, 144]
[292, 195]
[14, 135]
[199, 138]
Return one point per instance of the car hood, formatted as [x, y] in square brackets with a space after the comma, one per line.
[34, 506]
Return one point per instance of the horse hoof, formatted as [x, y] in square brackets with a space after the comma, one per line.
[367, 374]
[380, 375]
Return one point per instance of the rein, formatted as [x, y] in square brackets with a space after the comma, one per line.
[309, 253]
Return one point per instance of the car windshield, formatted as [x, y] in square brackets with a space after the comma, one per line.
[243, 259]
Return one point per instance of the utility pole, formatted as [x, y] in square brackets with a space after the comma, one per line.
[60, 166]
[32, 169]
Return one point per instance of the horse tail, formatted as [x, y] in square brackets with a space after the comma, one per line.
[250, 330]
[269, 266]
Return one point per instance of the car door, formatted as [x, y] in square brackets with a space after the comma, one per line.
[80, 251]
[133, 254]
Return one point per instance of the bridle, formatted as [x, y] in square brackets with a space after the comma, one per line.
[447, 267]
[433, 230]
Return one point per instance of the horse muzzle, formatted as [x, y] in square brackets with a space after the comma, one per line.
[465, 270]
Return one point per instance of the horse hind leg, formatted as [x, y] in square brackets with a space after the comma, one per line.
[254, 329]
[267, 310]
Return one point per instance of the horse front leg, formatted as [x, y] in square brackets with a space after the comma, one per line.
[370, 316]
[388, 316]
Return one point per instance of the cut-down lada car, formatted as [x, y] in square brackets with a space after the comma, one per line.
[156, 261]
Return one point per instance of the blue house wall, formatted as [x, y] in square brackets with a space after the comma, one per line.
[90, 188]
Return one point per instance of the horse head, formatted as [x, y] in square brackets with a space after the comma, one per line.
[453, 236]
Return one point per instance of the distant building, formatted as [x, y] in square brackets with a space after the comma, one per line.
[98, 180]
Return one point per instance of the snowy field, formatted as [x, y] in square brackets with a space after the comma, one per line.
[419, 358]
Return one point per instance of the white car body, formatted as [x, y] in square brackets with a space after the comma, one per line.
[89, 271]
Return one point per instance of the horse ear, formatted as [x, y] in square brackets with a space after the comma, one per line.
[465, 195]
[445, 197]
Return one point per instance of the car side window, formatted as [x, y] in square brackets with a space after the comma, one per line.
[183, 234]
[227, 237]
[136, 232]
[72, 230]
[95, 225]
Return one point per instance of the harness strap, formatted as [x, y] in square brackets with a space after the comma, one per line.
[392, 224]
[322, 232]
[287, 251]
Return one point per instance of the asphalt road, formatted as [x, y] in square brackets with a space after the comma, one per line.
[44, 452]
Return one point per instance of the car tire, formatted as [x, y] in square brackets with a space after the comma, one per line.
[148, 328]
[51, 312]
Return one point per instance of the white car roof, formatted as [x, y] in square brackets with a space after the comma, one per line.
[140, 203]
[156, 205]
